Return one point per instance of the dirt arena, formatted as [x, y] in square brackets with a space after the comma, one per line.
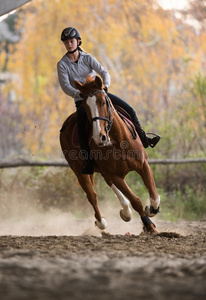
[171, 265]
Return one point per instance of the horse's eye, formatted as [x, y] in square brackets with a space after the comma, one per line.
[103, 103]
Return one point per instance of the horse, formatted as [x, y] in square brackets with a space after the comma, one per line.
[115, 153]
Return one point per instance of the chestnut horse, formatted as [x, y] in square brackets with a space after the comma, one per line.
[115, 153]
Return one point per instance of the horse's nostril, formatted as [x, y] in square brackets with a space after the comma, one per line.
[103, 138]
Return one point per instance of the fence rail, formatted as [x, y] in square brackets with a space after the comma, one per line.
[27, 163]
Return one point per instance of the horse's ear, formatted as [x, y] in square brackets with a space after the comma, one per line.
[90, 77]
[78, 86]
[98, 82]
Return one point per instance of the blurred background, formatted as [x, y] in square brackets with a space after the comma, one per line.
[155, 52]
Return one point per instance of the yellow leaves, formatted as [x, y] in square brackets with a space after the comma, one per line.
[2, 60]
[149, 54]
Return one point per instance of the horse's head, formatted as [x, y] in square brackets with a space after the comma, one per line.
[98, 108]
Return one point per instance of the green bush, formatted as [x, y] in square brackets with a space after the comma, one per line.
[182, 190]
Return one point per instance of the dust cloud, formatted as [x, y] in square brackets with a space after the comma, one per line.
[20, 215]
[25, 217]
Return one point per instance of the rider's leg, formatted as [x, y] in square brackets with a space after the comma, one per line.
[146, 141]
[87, 167]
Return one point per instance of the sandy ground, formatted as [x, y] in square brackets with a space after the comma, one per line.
[95, 265]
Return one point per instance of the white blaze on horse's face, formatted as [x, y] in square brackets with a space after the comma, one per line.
[99, 135]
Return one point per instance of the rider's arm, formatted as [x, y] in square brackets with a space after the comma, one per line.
[65, 84]
[99, 69]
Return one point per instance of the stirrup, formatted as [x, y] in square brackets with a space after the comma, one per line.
[152, 142]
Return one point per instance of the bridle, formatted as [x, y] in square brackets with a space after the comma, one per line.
[109, 110]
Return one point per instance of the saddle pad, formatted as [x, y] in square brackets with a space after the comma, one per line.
[75, 138]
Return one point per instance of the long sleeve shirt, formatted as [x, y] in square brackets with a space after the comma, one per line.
[68, 71]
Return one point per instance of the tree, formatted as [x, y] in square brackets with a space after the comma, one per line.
[150, 54]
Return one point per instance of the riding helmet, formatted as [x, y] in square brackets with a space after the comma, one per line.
[70, 33]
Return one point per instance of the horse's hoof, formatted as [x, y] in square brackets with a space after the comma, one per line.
[150, 211]
[150, 230]
[154, 232]
[101, 225]
[147, 211]
[126, 215]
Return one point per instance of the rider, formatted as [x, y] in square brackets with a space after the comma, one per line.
[76, 64]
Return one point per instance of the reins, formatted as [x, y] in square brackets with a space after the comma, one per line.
[109, 120]
[130, 128]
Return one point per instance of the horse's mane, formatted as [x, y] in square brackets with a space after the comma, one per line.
[90, 78]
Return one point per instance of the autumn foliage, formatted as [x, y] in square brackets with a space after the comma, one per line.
[155, 58]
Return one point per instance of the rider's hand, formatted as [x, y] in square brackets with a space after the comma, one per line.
[106, 90]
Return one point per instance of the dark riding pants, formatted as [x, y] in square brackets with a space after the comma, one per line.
[82, 130]
[117, 101]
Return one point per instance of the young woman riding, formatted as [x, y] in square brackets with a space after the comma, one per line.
[76, 65]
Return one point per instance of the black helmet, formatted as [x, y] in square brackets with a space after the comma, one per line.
[70, 33]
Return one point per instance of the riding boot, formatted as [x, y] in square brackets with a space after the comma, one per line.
[87, 167]
[146, 141]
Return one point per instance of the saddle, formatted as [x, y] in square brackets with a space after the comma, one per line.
[127, 120]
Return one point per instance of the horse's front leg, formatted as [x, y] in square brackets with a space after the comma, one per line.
[135, 202]
[86, 182]
[148, 179]
[125, 212]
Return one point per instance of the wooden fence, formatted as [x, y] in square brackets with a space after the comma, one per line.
[27, 163]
